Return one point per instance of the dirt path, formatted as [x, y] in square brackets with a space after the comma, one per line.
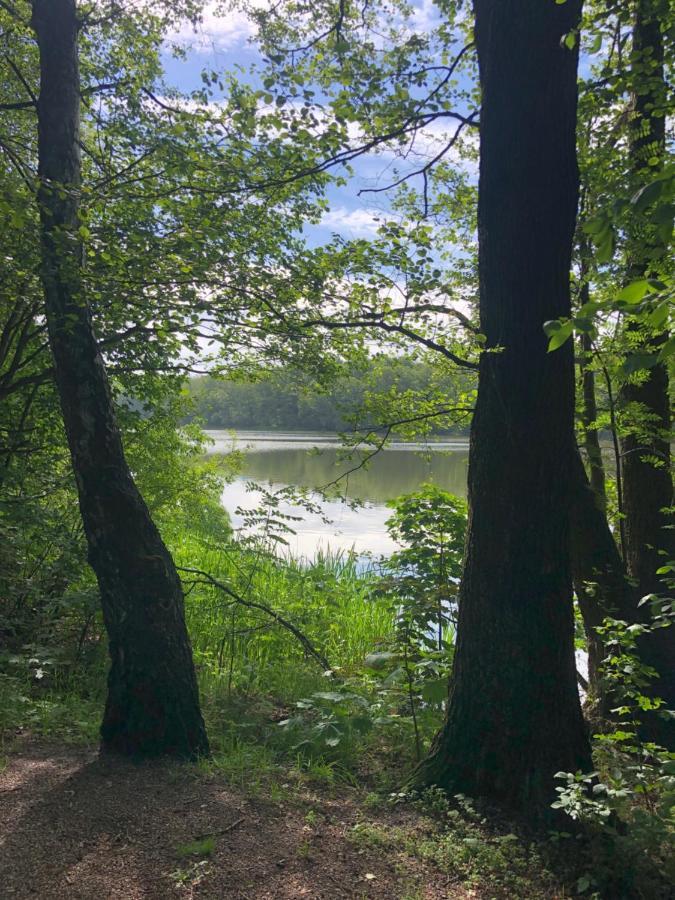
[76, 826]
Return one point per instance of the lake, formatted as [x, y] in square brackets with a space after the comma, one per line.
[312, 460]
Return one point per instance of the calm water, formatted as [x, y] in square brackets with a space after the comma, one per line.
[276, 459]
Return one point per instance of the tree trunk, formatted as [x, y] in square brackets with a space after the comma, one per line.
[596, 467]
[599, 579]
[589, 407]
[152, 706]
[648, 488]
[597, 570]
[514, 717]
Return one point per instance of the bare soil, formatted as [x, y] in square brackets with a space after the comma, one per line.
[73, 825]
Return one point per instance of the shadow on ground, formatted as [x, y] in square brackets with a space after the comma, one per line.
[75, 826]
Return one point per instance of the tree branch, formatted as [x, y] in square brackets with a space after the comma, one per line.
[255, 604]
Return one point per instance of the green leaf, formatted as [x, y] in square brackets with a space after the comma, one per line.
[380, 660]
[583, 884]
[570, 40]
[589, 309]
[584, 324]
[596, 45]
[635, 291]
[668, 349]
[560, 336]
[595, 225]
[331, 696]
[605, 247]
[659, 315]
[663, 214]
[647, 195]
[637, 361]
[435, 691]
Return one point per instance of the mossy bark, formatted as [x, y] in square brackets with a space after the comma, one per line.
[152, 706]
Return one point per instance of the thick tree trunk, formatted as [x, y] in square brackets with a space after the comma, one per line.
[648, 488]
[514, 717]
[153, 705]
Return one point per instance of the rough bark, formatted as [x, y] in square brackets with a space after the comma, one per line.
[514, 717]
[152, 706]
[648, 488]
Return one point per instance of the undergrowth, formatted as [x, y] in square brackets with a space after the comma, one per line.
[461, 844]
[279, 721]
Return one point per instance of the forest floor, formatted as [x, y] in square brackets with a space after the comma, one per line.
[73, 825]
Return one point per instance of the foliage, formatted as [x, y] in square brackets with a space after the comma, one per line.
[431, 524]
[48, 592]
[196, 208]
[38, 696]
[286, 399]
[258, 681]
[461, 843]
[403, 682]
[629, 803]
[328, 719]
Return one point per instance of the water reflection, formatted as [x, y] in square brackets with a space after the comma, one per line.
[313, 461]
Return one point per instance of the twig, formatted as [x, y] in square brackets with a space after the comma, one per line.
[256, 604]
[220, 831]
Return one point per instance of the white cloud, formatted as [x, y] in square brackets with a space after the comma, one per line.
[219, 29]
[358, 222]
[430, 140]
[425, 17]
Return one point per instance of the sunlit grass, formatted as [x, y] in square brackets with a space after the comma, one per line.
[252, 671]
[330, 600]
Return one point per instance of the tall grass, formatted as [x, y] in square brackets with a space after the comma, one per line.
[252, 670]
[244, 657]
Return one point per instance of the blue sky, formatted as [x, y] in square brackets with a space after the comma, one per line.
[224, 40]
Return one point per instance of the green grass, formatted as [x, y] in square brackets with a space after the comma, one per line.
[243, 764]
[55, 711]
[329, 600]
[196, 849]
[457, 842]
[252, 671]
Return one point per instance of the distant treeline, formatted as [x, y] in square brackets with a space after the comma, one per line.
[281, 401]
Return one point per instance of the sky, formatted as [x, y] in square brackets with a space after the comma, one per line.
[226, 39]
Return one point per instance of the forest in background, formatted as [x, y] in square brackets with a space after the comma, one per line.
[516, 275]
[281, 400]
